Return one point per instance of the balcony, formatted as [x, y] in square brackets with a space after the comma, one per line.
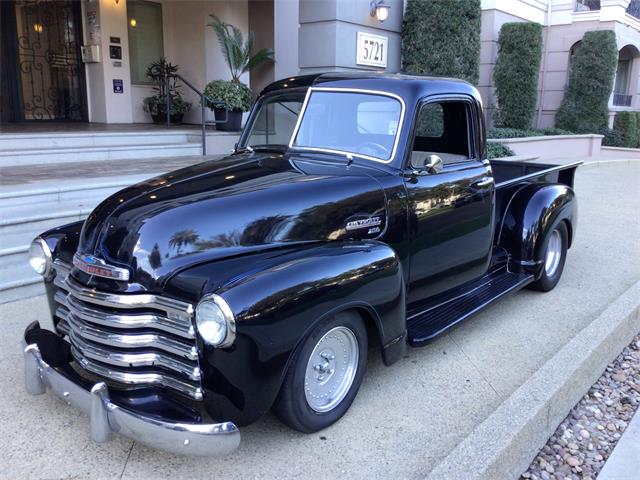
[622, 100]
[587, 5]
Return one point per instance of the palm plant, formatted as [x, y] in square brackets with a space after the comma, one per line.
[237, 52]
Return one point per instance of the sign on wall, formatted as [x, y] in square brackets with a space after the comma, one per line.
[372, 50]
[118, 86]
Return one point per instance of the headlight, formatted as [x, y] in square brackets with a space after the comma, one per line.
[215, 321]
[40, 257]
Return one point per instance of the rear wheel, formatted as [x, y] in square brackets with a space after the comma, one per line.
[325, 374]
[555, 248]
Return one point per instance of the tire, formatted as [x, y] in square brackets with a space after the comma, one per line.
[555, 254]
[305, 402]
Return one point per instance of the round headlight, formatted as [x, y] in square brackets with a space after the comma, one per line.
[215, 321]
[40, 257]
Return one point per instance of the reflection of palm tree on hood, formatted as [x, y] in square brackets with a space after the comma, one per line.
[183, 238]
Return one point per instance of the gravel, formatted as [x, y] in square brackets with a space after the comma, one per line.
[584, 440]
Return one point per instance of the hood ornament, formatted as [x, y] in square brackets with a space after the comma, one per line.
[98, 267]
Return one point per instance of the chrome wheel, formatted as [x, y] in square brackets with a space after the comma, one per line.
[331, 369]
[554, 253]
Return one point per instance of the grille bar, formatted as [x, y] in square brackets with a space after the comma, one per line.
[127, 340]
[128, 321]
[135, 339]
[135, 378]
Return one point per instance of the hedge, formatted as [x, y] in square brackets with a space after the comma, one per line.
[626, 124]
[519, 133]
[442, 37]
[585, 105]
[516, 73]
[498, 150]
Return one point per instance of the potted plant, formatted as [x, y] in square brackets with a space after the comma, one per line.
[228, 99]
[156, 105]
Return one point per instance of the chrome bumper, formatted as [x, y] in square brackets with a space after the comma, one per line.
[107, 417]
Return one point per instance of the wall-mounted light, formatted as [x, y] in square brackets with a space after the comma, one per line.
[379, 9]
[117, 2]
[133, 22]
[37, 27]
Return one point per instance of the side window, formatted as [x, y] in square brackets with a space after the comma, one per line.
[443, 129]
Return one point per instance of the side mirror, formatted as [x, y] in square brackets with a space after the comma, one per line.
[433, 164]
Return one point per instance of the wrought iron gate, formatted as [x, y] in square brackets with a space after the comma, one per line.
[49, 68]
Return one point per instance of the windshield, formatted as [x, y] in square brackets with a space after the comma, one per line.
[275, 120]
[364, 124]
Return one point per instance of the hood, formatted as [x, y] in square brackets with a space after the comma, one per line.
[233, 206]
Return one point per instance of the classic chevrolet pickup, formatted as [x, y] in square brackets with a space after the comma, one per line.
[356, 209]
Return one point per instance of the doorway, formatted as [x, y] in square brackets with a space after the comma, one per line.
[43, 75]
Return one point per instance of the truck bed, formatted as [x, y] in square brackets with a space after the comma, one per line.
[507, 172]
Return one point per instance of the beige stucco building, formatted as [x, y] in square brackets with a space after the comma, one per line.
[84, 60]
[565, 22]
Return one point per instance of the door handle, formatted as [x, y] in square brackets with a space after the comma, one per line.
[484, 181]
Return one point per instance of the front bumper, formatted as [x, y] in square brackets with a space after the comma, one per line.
[197, 439]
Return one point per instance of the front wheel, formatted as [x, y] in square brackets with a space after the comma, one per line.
[324, 375]
[555, 249]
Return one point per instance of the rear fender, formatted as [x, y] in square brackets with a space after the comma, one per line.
[533, 212]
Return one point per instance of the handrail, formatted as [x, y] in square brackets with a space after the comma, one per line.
[203, 100]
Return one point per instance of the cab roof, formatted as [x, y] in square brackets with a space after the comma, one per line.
[410, 87]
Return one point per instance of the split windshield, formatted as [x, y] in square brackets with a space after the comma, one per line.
[348, 122]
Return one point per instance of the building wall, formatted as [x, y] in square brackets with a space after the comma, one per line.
[328, 33]
[286, 24]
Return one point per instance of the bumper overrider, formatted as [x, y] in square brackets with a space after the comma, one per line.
[106, 416]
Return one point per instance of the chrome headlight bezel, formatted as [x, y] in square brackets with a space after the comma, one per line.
[40, 244]
[218, 302]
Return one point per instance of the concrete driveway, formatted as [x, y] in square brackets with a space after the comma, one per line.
[406, 417]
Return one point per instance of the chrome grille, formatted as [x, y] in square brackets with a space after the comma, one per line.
[135, 339]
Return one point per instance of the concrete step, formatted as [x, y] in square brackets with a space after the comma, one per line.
[19, 281]
[78, 191]
[9, 157]
[37, 140]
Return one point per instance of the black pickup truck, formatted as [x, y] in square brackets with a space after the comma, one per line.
[355, 209]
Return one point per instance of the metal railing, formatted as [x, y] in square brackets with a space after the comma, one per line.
[622, 100]
[204, 100]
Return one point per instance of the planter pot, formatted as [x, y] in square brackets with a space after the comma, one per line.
[234, 119]
[162, 118]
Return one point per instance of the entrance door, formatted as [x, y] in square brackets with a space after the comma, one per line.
[44, 77]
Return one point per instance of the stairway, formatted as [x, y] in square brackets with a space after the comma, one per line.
[28, 211]
[37, 148]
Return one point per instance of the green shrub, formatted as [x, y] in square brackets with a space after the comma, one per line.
[626, 124]
[442, 38]
[518, 133]
[612, 138]
[498, 150]
[516, 74]
[585, 105]
[233, 96]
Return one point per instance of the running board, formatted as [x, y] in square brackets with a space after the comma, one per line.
[426, 325]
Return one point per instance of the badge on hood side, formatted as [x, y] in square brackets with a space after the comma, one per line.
[98, 267]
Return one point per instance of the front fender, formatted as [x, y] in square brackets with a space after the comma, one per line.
[276, 307]
[532, 213]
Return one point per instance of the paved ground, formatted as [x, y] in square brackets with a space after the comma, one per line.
[406, 417]
[57, 174]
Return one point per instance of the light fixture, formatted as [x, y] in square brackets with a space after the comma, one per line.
[133, 22]
[379, 9]
[117, 2]
[38, 27]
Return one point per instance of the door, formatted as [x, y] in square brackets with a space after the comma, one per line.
[451, 204]
[41, 57]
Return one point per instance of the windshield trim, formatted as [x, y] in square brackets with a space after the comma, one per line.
[345, 152]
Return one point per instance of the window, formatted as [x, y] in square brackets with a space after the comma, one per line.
[145, 37]
[275, 120]
[364, 124]
[442, 129]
